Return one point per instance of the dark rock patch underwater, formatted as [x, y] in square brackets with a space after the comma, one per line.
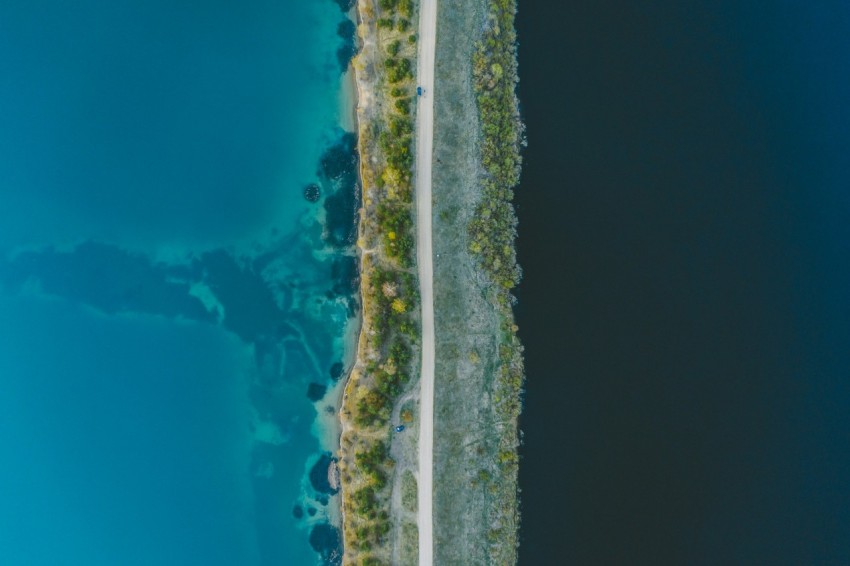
[326, 541]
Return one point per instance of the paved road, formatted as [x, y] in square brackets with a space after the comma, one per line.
[424, 255]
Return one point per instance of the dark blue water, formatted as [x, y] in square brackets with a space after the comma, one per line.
[685, 228]
[174, 312]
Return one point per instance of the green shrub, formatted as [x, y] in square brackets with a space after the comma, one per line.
[399, 70]
[400, 126]
[392, 293]
[492, 230]
[403, 105]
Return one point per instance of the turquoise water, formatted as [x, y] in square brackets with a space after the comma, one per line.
[174, 312]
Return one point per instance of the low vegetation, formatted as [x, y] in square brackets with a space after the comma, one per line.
[410, 547]
[492, 233]
[493, 229]
[408, 491]
[390, 334]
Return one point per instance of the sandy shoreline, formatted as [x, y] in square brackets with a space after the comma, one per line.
[348, 101]
[350, 98]
[328, 424]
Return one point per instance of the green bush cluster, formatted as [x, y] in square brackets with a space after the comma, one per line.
[391, 289]
[390, 8]
[492, 230]
[397, 229]
[372, 463]
[375, 407]
[398, 70]
[395, 142]
[388, 290]
[403, 106]
[396, 148]
[393, 297]
[394, 211]
[369, 533]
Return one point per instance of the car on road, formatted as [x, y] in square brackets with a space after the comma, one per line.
[420, 91]
[399, 428]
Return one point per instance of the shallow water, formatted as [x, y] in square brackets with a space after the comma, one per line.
[170, 302]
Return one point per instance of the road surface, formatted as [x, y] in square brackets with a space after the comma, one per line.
[424, 256]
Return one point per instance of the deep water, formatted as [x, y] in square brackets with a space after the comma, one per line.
[177, 280]
[684, 235]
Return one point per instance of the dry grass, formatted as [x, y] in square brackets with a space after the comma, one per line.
[475, 493]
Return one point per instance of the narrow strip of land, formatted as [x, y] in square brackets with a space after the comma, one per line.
[424, 152]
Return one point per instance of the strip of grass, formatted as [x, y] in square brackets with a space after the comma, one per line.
[409, 553]
[409, 491]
